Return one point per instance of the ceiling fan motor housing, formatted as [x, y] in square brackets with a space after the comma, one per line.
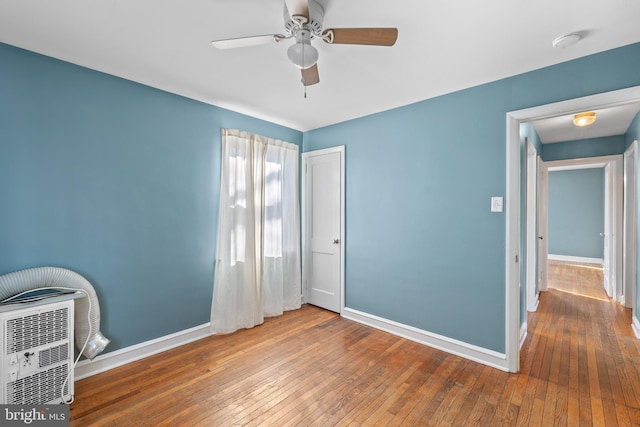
[314, 25]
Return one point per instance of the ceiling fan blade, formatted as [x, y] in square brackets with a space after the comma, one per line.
[245, 41]
[310, 75]
[298, 8]
[368, 36]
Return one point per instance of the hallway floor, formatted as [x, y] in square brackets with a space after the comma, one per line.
[581, 359]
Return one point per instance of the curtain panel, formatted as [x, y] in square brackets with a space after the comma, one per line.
[257, 271]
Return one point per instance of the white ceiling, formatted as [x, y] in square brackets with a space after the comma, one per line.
[443, 46]
[610, 121]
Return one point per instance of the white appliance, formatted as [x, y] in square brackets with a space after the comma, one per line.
[36, 344]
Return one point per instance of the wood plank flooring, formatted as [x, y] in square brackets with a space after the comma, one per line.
[580, 365]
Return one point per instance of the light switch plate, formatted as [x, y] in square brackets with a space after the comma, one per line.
[496, 204]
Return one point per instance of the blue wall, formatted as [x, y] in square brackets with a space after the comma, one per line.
[578, 149]
[576, 212]
[117, 181]
[422, 247]
[633, 133]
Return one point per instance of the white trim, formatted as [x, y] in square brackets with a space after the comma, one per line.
[581, 163]
[578, 259]
[323, 151]
[531, 239]
[635, 325]
[343, 243]
[440, 342]
[630, 225]
[512, 245]
[543, 226]
[303, 200]
[104, 362]
[523, 331]
[512, 238]
[617, 214]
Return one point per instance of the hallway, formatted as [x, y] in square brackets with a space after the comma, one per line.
[581, 359]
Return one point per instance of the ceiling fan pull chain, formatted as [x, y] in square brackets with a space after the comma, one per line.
[303, 83]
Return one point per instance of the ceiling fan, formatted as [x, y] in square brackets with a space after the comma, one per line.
[303, 23]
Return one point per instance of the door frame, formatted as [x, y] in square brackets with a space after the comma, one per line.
[543, 226]
[531, 265]
[630, 226]
[512, 222]
[306, 246]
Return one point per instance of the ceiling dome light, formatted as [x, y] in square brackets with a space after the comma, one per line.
[303, 55]
[566, 40]
[584, 119]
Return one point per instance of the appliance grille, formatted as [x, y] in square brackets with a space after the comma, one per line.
[53, 355]
[36, 329]
[43, 386]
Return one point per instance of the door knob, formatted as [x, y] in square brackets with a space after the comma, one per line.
[602, 234]
[540, 237]
[336, 241]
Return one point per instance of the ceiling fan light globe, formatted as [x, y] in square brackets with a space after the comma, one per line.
[303, 55]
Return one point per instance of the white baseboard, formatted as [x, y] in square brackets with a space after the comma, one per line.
[578, 259]
[635, 325]
[104, 362]
[523, 333]
[450, 345]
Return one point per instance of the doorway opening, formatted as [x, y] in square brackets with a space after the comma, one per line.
[514, 292]
[601, 184]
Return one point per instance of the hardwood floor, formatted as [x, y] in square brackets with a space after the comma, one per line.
[580, 366]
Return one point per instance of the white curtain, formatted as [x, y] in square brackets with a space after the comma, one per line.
[258, 255]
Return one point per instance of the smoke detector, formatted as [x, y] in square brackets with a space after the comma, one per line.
[566, 40]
